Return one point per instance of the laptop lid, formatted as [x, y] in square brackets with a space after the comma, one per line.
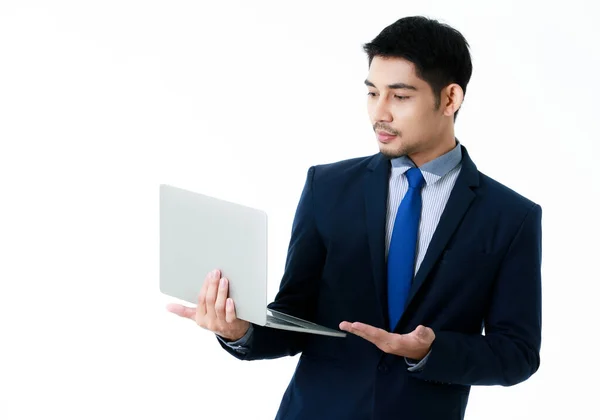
[199, 233]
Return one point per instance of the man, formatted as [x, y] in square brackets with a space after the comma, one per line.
[412, 251]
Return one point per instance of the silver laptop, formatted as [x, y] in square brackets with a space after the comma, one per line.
[199, 233]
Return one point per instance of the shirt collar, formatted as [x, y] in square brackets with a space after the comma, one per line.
[434, 169]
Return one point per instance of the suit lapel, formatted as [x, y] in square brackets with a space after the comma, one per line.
[376, 193]
[458, 203]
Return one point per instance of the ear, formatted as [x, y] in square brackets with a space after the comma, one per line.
[452, 99]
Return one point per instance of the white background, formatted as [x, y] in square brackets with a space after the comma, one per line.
[100, 102]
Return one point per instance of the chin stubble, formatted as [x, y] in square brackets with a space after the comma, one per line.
[395, 153]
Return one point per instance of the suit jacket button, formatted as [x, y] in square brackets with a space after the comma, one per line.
[382, 367]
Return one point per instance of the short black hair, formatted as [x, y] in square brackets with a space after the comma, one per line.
[439, 52]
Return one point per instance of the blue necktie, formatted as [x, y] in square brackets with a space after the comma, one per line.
[401, 255]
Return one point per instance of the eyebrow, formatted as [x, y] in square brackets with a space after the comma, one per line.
[393, 86]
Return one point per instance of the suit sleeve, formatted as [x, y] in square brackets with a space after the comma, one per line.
[298, 289]
[509, 352]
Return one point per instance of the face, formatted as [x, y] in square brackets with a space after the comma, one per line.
[403, 106]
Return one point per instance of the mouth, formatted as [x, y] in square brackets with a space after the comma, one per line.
[385, 137]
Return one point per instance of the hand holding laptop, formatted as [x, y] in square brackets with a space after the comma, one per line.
[215, 311]
[199, 232]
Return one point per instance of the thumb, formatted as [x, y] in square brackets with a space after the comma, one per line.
[424, 333]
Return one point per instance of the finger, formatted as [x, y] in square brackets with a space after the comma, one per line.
[385, 341]
[201, 309]
[221, 298]
[373, 334]
[230, 315]
[211, 294]
[182, 311]
[360, 334]
[345, 326]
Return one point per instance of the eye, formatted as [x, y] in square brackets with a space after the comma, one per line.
[371, 94]
[402, 97]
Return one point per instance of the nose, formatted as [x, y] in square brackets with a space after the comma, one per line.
[380, 110]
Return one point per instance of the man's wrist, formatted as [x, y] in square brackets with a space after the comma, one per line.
[242, 341]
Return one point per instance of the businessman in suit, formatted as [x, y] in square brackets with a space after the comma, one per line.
[432, 267]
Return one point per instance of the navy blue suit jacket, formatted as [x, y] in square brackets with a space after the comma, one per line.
[481, 270]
